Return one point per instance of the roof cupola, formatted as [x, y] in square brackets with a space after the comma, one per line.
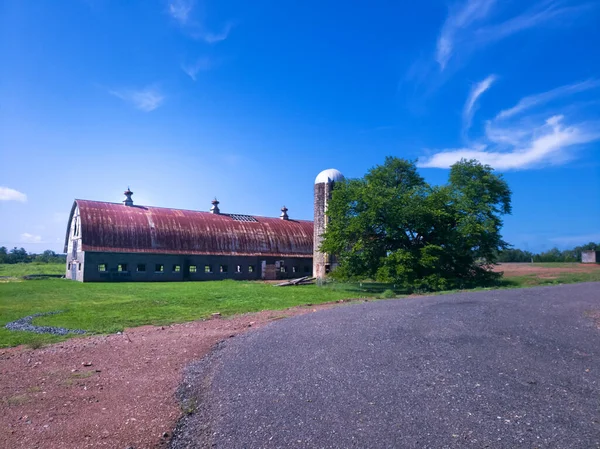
[128, 201]
[284, 215]
[215, 207]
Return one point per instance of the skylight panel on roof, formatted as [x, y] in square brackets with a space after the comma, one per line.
[245, 218]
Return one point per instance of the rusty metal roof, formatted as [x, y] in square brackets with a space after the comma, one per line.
[112, 227]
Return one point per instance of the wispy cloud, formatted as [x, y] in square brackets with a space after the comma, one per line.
[467, 26]
[541, 146]
[471, 104]
[460, 18]
[30, 238]
[147, 99]
[213, 38]
[201, 65]
[545, 97]
[8, 194]
[180, 10]
[513, 141]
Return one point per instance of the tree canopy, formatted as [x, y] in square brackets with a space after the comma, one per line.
[393, 226]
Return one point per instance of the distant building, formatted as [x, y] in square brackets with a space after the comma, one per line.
[590, 256]
[127, 242]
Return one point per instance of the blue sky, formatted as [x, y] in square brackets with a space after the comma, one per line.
[187, 100]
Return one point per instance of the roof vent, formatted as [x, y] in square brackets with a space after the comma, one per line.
[215, 207]
[128, 201]
[284, 215]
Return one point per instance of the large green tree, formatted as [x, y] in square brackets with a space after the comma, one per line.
[392, 226]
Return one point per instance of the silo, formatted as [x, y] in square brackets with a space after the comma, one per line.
[324, 184]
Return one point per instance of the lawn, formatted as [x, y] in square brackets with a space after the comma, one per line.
[24, 269]
[111, 307]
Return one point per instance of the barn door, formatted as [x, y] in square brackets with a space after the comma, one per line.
[186, 270]
[263, 269]
[74, 270]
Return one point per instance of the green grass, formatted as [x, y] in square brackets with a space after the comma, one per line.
[24, 269]
[111, 307]
[552, 279]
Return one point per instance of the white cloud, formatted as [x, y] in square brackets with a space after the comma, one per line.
[545, 97]
[147, 99]
[471, 104]
[459, 18]
[201, 65]
[8, 194]
[546, 144]
[30, 238]
[213, 38]
[180, 10]
[466, 28]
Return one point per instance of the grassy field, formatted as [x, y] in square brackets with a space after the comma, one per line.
[111, 307]
[24, 269]
[106, 308]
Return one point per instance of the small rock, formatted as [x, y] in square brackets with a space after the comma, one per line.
[86, 363]
[216, 315]
[165, 435]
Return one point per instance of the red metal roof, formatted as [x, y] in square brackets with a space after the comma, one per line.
[112, 227]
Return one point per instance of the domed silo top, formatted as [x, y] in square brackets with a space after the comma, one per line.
[329, 175]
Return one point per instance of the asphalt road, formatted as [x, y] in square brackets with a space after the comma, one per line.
[499, 369]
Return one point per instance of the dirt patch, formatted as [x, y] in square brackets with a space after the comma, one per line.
[113, 391]
[525, 269]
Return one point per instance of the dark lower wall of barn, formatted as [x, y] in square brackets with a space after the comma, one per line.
[128, 267]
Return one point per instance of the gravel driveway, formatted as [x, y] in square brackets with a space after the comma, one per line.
[499, 369]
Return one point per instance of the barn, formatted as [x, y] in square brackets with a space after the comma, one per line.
[128, 242]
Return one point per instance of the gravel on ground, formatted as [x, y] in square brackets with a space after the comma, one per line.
[491, 369]
[25, 324]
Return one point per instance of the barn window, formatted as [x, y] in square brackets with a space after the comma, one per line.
[176, 268]
[160, 268]
[193, 268]
[294, 269]
[208, 268]
[238, 269]
[79, 267]
[69, 266]
[223, 268]
[141, 268]
[122, 267]
[101, 267]
[283, 269]
[250, 268]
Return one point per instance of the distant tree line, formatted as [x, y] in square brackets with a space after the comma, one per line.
[20, 255]
[552, 255]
